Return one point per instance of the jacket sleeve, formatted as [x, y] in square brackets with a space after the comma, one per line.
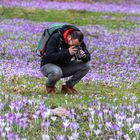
[87, 57]
[54, 52]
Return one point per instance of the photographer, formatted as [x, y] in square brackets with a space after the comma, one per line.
[59, 63]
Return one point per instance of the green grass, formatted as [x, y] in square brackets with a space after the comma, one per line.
[114, 20]
[28, 86]
[34, 88]
[2, 33]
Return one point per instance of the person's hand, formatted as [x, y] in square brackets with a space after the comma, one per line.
[72, 50]
[82, 53]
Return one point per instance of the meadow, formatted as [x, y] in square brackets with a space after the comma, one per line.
[108, 107]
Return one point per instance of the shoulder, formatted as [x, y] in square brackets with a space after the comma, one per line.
[56, 36]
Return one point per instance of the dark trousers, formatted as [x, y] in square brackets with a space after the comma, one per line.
[76, 69]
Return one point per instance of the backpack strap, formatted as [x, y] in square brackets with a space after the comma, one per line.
[43, 52]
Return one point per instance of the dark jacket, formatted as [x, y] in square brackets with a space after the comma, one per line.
[58, 53]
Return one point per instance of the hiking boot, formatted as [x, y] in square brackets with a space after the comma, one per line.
[51, 90]
[69, 90]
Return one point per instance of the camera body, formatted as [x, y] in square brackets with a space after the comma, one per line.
[78, 55]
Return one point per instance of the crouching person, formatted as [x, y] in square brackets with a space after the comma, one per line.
[66, 56]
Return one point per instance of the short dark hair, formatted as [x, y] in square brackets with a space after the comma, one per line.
[77, 35]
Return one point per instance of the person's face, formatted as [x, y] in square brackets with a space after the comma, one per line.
[73, 42]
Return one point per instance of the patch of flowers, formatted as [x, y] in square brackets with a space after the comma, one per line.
[114, 53]
[21, 115]
[124, 7]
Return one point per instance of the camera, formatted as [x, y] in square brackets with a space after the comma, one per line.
[78, 54]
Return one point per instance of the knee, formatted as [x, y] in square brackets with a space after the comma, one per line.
[86, 67]
[57, 74]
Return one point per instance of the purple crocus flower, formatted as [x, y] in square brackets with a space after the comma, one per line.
[2, 106]
[42, 107]
[119, 134]
[74, 125]
[60, 138]
[3, 134]
[45, 137]
[12, 106]
[66, 123]
[136, 127]
[22, 122]
[10, 136]
[92, 112]
[11, 118]
[100, 114]
[71, 116]
[45, 125]
[111, 126]
[126, 137]
[75, 135]
[45, 114]
[88, 134]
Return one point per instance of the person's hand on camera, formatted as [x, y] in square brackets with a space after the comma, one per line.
[72, 50]
[82, 53]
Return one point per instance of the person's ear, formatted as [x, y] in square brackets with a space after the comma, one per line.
[69, 37]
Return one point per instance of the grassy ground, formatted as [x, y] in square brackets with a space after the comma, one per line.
[35, 87]
[74, 17]
[28, 86]
[110, 20]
